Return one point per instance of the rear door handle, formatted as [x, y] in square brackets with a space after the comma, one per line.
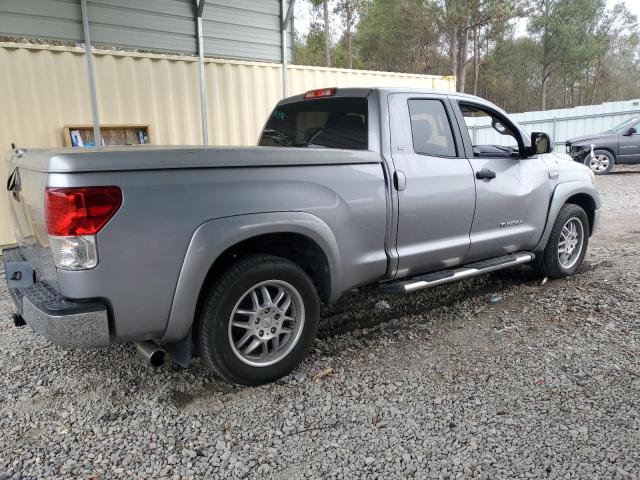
[399, 180]
[485, 174]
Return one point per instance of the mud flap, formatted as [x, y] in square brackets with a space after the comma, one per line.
[181, 351]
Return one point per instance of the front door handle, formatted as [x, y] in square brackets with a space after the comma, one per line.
[485, 174]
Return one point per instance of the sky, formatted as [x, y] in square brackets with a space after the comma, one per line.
[303, 19]
[632, 5]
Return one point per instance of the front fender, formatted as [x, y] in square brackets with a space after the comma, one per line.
[561, 194]
[214, 237]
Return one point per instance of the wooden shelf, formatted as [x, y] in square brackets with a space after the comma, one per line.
[112, 134]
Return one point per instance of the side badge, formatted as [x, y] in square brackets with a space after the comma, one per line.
[554, 175]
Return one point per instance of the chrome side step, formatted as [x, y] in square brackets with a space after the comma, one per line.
[447, 276]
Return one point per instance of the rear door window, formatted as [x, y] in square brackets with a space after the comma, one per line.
[431, 129]
[319, 123]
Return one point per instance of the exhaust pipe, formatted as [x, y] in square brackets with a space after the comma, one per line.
[152, 352]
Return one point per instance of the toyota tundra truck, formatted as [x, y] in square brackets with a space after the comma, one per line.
[227, 253]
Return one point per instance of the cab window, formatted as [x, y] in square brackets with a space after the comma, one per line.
[319, 123]
[431, 129]
[491, 135]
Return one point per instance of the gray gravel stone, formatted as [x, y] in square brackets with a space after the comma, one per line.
[429, 386]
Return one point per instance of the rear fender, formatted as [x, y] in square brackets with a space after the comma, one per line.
[214, 237]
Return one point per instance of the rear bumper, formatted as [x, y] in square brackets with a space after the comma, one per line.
[61, 321]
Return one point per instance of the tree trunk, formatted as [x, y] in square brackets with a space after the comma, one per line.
[543, 88]
[349, 37]
[327, 35]
[596, 76]
[476, 59]
[461, 63]
[453, 52]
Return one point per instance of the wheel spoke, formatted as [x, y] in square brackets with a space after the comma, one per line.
[265, 350]
[279, 296]
[276, 343]
[266, 296]
[286, 304]
[243, 340]
[241, 311]
[252, 346]
[254, 300]
[244, 325]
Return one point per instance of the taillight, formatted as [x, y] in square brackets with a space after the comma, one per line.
[320, 93]
[80, 211]
[74, 216]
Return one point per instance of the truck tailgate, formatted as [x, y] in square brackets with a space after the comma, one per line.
[26, 189]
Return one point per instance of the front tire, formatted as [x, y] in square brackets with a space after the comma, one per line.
[258, 320]
[567, 244]
[602, 163]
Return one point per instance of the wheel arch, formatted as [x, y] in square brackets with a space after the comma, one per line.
[610, 150]
[578, 192]
[588, 204]
[298, 236]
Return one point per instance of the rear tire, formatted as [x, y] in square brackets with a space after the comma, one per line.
[603, 162]
[567, 244]
[258, 320]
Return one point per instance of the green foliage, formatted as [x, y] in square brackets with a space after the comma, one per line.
[571, 51]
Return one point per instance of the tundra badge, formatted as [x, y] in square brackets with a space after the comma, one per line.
[511, 223]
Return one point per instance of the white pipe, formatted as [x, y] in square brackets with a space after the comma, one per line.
[92, 84]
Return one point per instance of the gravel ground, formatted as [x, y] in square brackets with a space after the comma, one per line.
[499, 377]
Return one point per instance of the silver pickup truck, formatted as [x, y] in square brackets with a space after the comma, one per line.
[227, 253]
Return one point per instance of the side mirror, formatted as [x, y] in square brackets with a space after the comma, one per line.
[541, 143]
[631, 131]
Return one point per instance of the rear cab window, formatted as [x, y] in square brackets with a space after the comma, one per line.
[319, 123]
[431, 129]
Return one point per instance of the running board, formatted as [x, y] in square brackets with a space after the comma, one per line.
[447, 276]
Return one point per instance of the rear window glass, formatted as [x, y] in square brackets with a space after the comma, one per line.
[319, 123]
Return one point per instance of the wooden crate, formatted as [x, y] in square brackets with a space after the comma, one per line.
[123, 134]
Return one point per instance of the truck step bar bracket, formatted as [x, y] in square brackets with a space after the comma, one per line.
[405, 286]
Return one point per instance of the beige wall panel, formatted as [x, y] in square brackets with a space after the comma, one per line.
[43, 88]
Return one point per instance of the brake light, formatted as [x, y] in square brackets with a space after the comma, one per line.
[320, 93]
[80, 211]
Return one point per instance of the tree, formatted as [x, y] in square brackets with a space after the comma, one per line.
[572, 52]
[567, 33]
[315, 4]
[462, 18]
[400, 36]
[348, 9]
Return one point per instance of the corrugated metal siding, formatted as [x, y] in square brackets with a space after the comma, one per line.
[563, 124]
[242, 29]
[44, 88]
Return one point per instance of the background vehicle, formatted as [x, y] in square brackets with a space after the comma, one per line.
[232, 249]
[619, 145]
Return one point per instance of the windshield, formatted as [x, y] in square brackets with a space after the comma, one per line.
[319, 123]
[627, 123]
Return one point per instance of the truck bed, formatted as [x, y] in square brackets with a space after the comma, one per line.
[168, 194]
[108, 159]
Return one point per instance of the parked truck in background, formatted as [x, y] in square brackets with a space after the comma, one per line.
[602, 151]
[228, 252]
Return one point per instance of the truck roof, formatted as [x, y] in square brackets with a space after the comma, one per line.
[366, 91]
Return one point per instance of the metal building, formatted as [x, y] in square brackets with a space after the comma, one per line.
[237, 29]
